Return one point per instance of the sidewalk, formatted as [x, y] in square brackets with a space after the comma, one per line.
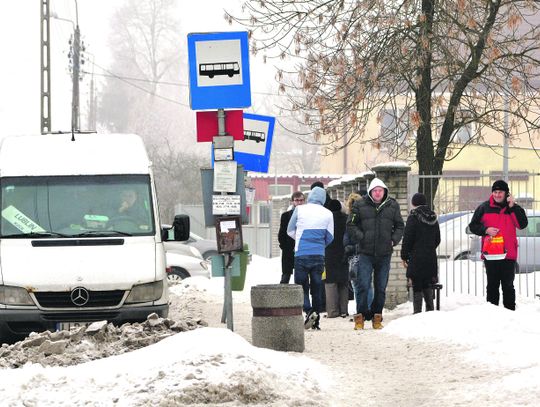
[372, 368]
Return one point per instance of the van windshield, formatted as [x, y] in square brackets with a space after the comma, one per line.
[76, 206]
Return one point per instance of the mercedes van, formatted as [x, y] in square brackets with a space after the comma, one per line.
[80, 239]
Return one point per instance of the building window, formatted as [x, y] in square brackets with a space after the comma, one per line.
[279, 189]
[304, 187]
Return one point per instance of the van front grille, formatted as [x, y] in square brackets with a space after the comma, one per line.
[55, 299]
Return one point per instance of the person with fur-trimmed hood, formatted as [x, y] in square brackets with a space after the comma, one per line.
[419, 251]
[376, 225]
[312, 228]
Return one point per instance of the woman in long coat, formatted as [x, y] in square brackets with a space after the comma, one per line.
[337, 267]
[418, 251]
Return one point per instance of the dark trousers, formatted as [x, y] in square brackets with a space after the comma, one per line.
[501, 273]
[287, 262]
[308, 273]
[422, 291]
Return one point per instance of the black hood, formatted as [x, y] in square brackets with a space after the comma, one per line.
[425, 215]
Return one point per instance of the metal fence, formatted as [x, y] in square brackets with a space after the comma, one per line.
[457, 196]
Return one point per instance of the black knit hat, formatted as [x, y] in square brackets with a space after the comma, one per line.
[500, 185]
[418, 199]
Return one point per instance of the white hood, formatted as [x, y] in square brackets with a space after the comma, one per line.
[59, 268]
[376, 182]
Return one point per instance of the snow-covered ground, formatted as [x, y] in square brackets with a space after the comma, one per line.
[469, 353]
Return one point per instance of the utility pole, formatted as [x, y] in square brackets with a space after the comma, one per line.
[76, 55]
[45, 69]
[75, 62]
[92, 102]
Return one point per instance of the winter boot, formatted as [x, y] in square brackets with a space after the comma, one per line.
[377, 321]
[358, 322]
[316, 325]
[311, 317]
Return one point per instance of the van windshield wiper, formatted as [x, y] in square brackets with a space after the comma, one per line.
[34, 235]
[102, 233]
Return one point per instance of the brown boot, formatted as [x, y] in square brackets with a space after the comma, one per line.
[358, 322]
[377, 321]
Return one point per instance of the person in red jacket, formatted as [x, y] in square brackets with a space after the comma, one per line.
[500, 216]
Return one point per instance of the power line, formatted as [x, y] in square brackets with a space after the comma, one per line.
[110, 74]
[125, 80]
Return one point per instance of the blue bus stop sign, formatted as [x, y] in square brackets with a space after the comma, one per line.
[219, 70]
[254, 152]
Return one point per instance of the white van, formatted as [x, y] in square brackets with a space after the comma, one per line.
[79, 233]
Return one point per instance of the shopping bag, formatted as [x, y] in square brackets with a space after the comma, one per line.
[493, 248]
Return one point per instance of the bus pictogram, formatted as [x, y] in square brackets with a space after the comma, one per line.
[219, 68]
[257, 136]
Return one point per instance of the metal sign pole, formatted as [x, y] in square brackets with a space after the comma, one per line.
[227, 314]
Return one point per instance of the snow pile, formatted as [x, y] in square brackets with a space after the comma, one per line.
[99, 340]
[202, 366]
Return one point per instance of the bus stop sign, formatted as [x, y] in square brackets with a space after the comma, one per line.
[219, 70]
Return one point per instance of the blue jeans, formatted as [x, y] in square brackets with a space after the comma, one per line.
[356, 286]
[379, 267]
[308, 273]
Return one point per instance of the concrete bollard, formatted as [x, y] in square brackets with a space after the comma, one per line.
[277, 321]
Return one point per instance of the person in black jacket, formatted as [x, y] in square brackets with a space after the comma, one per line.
[376, 225]
[337, 267]
[418, 251]
[286, 243]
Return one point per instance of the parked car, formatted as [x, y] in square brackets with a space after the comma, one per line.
[528, 245]
[206, 247]
[455, 242]
[444, 217]
[182, 260]
[180, 266]
[182, 248]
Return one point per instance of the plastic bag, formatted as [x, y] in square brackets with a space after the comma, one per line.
[493, 248]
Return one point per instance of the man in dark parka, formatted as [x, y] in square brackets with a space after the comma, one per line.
[376, 225]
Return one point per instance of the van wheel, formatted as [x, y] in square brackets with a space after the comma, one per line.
[177, 275]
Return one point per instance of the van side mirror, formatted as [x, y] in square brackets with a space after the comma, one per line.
[181, 227]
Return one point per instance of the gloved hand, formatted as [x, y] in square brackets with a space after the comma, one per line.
[434, 280]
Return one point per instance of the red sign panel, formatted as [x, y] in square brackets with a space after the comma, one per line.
[207, 125]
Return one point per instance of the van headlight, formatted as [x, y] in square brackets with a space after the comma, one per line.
[10, 295]
[145, 292]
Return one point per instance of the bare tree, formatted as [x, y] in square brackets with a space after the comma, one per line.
[438, 65]
[141, 95]
[178, 178]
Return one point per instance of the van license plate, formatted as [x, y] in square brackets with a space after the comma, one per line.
[66, 326]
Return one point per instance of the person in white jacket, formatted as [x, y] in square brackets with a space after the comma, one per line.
[312, 227]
